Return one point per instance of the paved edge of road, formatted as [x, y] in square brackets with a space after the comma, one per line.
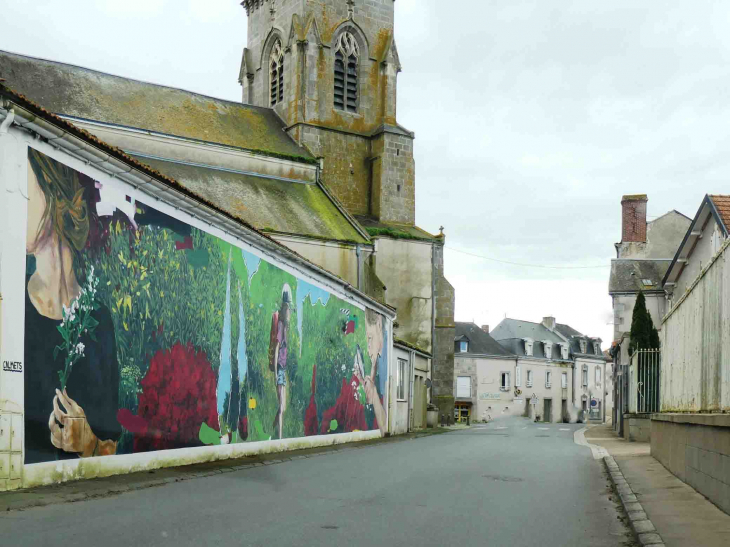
[82, 490]
[641, 525]
[579, 438]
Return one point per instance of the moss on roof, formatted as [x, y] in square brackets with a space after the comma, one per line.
[376, 228]
[268, 204]
[79, 92]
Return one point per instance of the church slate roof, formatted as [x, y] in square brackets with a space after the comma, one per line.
[480, 342]
[629, 275]
[268, 204]
[91, 95]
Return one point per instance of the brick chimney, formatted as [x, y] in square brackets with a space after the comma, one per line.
[633, 218]
[549, 322]
[485, 328]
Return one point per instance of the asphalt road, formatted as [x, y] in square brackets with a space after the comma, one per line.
[510, 483]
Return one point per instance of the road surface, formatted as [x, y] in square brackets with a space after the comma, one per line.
[510, 483]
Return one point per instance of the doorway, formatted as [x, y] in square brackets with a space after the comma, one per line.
[566, 417]
[547, 415]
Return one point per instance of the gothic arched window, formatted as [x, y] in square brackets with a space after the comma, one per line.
[347, 58]
[276, 73]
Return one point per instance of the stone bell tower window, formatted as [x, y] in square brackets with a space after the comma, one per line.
[276, 73]
[347, 58]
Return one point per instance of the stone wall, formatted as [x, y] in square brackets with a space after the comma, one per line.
[696, 448]
[394, 178]
[444, 334]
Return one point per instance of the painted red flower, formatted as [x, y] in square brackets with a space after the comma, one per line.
[348, 412]
[178, 395]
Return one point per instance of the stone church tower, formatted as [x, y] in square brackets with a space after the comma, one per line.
[329, 68]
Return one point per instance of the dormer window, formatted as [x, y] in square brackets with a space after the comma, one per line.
[528, 346]
[583, 346]
[347, 60]
[564, 351]
[464, 346]
[548, 345]
[276, 73]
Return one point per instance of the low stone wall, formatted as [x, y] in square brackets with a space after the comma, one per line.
[696, 448]
[637, 427]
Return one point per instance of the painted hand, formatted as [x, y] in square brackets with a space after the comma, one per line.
[70, 430]
[371, 392]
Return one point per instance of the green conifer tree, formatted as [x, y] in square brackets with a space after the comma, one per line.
[643, 333]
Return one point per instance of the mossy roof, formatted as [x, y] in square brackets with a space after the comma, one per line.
[91, 95]
[266, 203]
[377, 228]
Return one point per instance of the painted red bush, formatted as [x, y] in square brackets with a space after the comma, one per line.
[348, 411]
[178, 395]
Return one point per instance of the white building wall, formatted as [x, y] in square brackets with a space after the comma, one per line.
[13, 226]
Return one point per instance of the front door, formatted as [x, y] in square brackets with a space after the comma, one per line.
[547, 415]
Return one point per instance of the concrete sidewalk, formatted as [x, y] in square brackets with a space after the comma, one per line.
[682, 517]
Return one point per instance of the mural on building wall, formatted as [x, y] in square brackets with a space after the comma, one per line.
[144, 333]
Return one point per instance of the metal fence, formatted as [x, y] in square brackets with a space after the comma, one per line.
[644, 381]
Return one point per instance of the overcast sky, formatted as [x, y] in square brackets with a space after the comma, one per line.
[532, 118]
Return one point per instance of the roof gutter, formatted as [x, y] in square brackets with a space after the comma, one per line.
[91, 155]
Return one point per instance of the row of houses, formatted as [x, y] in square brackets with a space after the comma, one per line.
[547, 371]
[677, 397]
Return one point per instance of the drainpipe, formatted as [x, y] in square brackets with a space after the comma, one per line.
[358, 252]
[412, 360]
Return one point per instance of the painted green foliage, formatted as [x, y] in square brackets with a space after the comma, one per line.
[187, 319]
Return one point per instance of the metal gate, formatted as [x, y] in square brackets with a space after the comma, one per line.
[644, 381]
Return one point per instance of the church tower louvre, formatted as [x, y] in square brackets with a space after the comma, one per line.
[329, 69]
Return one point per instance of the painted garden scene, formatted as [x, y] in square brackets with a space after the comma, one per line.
[144, 333]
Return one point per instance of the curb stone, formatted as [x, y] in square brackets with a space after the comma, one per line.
[641, 525]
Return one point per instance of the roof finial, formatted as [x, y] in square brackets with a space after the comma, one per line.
[441, 230]
[350, 8]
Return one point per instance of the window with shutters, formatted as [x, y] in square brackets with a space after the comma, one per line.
[347, 61]
[463, 387]
[564, 380]
[504, 381]
[518, 376]
[548, 379]
[529, 378]
[276, 73]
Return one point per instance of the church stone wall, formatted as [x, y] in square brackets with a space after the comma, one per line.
[394, 199]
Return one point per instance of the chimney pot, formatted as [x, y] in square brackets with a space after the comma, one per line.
[633, 218]
[549, 322]
[485, 328]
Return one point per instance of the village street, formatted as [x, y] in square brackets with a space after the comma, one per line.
[509, 483]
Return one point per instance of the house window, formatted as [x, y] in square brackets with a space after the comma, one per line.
[564, 380]
[529, 378]
[548, 349]
[583, 345]
[276, 73]
[401, 379]
[504, 381]
[528, 346]
[585, 375]
[548, 379]
[518, 376]
[463, 346]
[463, 387]
[564, 349]
[347, 56]
[598, 375]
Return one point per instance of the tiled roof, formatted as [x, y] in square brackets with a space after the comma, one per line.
[480, 342]
[91, 95]
[268, 204]
[722, 205]
[514, 328]
[632, 275]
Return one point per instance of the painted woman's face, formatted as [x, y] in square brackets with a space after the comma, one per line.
[375, 339]
[36, 208]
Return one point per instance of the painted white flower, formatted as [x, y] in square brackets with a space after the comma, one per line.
[80, 347]
[343, 368]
